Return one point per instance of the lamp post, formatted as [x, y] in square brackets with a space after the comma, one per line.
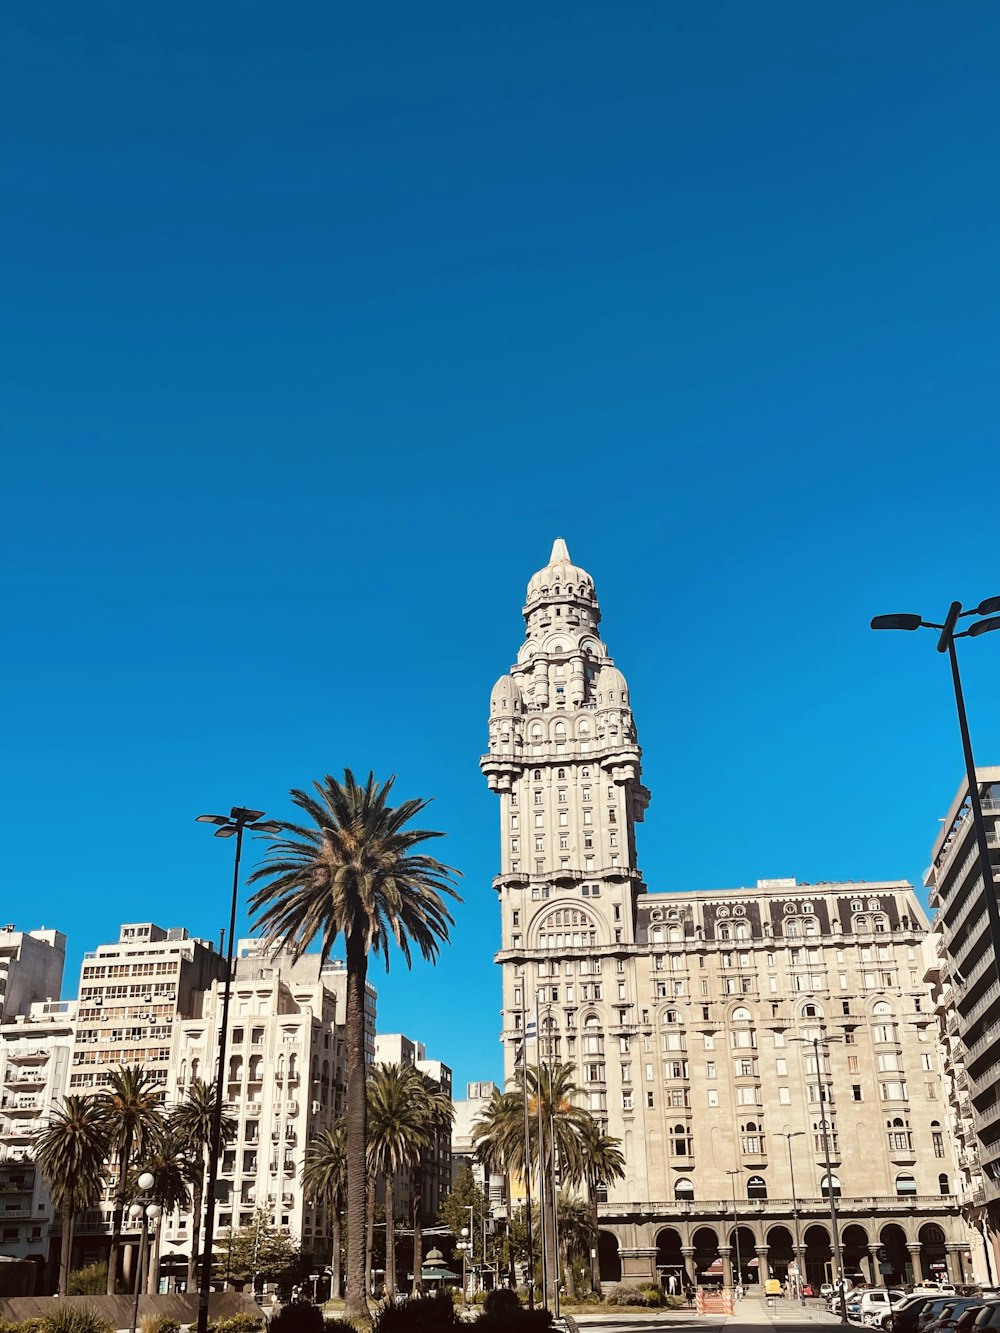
[144, 1210]
[736, 1220]
[946, 644]
[229, 825]
[465, 1245]
[817, 1043]
[795, 1134]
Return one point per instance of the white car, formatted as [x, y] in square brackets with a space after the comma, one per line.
[877, 1302]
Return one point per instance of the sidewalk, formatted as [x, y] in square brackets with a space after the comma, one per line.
[757, 1309]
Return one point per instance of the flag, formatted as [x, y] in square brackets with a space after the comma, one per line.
[520, 1051]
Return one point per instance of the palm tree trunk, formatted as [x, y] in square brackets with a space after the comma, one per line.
[370, 1228]
[567, 1273]
[65, 1249]
[390, 1235]
[356, 1304]
[197, 1197]
[418, 1235]
[117, 1216]
[335, 1257]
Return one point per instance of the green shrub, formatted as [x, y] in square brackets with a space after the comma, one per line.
[158, 1323]
[237, 1323]
[91, 1280]
[652, 1293]
[515, 1321]
[74, 1319]
[338, 1326]
[623, 1294]
[299, 1317]
[501, 1301]
[20, 1325]
[426, 1314]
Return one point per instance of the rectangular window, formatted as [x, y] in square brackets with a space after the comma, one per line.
[856, 1092]
[784, 1097]
[937, 1140]
[649, 1099]
[710, 1069]
[781, 1067]
[713, 1097]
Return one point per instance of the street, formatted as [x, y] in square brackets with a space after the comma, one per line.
[752, 1315]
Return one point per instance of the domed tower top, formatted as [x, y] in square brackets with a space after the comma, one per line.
[562, 582]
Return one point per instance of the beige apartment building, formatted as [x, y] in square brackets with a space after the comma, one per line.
[756, 1050]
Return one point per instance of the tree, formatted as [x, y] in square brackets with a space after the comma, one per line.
[259, 1250]
[191, 1126]
[71, 1152]
[131, 1104]
[438, 1111]
[397, 1134]
[574, 1239]
[357, 873]
[324, 1177]
[171, 1189]
[603, 1162]
[465, 1194]
[554, 1128]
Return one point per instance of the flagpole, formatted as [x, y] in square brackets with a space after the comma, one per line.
[541, 1158]
[527, 1155]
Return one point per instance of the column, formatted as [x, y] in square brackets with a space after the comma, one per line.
[726, 1255]
[763, 1271]
[953, 1258]
[876, 1273]
[914, 1248]
[687, 1252]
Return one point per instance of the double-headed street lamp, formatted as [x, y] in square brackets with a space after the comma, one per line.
[231, 825]
[946, 644]
[736, 1221]
[147, 1212]
[795, 1134]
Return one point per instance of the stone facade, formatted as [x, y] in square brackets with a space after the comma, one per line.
[732, 1040]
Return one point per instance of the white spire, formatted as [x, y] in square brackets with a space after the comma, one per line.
[559, 552]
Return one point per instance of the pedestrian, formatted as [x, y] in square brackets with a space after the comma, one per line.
[672, 1284]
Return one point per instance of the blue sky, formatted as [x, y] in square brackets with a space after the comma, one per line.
[321, 321]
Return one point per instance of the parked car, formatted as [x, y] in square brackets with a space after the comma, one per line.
[988, 1317]
[952, 1312]
[876, 1302]
[903, 1318]
[931, 1310]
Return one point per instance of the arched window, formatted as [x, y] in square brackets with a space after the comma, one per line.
[830, 1184]
[810, 927]
[741, 1015]
[792, 928]
[756, 1188]
[566, 928]
[656, 935]
[905, 1183]
[671, 1016]
[560, 772]
[684, 1190]
[680, 1141]
[560, 730]
[811, 1011]
[742, 930]
[537, 775]
[724, 933]
[675, 935]
[882, 1009]
[943, 1186]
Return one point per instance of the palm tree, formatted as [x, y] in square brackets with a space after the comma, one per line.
[553, 1119]
[324, 1176]
[71, 1152]
[574, 1237]
[489, 1137]
[357, 873]
[603, 1161]
[191, 1126]
[131, 1103]
[398, 1132]
[438, 1112]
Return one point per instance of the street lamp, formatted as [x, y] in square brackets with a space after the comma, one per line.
[795, 1134]
[144, 1210]
[946, 644]
[228, 825]
[824, 1125]
[736, 1220]
[465, 1245]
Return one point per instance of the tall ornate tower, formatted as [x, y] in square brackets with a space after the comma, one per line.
[566, 764]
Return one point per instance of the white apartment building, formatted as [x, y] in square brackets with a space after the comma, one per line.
[31, 969]
[35, 1051]
[285, 1084]
[434, 1177]
[963, 969]
[754, 1049]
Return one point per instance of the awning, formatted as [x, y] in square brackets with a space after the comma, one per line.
[428, 1273]
[716, 1267]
